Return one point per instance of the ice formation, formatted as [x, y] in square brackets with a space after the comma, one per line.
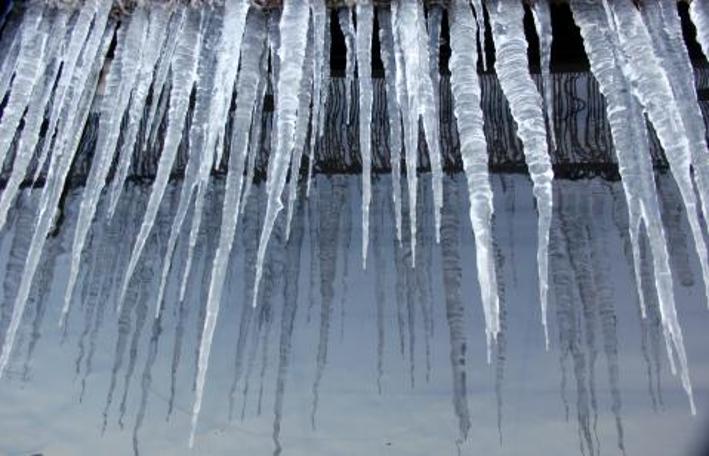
[187, 86]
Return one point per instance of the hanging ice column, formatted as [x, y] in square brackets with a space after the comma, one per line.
[246, 92]
[651, 85]
[365, 18]
[635, 165]
[416, 101]
[542, 22]
[386, 40]
[294, 34]
[526, 106]
[80, 90]
[473, 148]
[120, 82]
[663, 23]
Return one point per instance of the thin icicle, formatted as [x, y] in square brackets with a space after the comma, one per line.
[184, 73]
[542, 22]
[257, 119]
[526, 106]
[321, 79]
[428, 110]
[409, 112]
[435, 19]
[630, 140]
[294, 33]
[365, 19]
[473, 148]
[344, 18]
[253, 48]
[386, 40]
[121, 80]
[650, 83]
[480, 19]
[81, 90]
[150, 51]
[301, 131]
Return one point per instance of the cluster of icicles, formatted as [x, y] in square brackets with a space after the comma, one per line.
[56, 58]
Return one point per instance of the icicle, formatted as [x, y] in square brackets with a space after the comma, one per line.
[294, 32]
[473, 146]
[35, 33]
[386, 40]
[480, 19]
[36, 107]
[184, 74]
[650, 83]
[526, 106]
[210, 111]
[158, 25]
[9, 50]
[121, 80]
[81, 89]
[428, 110]
[607, 61]
[301, 130]
[699, 13]
[321, 83]
[257, 119]
[665, 27]
[409, 114]
[542, 22]
[228, 55]
[365, 18]
[344, 18]
[80, 31]
[253, 48]
[435, 18]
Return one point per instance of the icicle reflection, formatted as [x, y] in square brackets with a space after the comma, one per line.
[273, 358]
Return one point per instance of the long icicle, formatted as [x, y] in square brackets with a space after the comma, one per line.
[365, 19]
[526, 106]
[156, 35]
[321, 79]
[650, 83]
[184, 74]
[81, 92]
[406, 94]
[249, 75]
[473, 148]
[121, 80]
[663, 23]
[386, 40]
[294, 33]
[632, 149]
[346, 22]
[542, 22]
[301, 130]
[209, 121]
